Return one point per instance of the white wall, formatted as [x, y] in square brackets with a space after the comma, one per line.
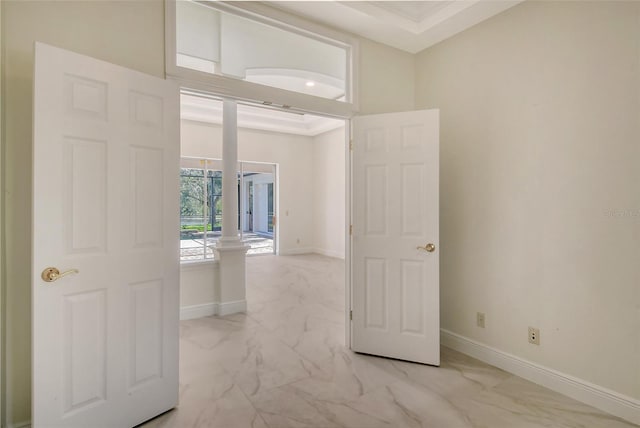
[198, 286]
[329, 193]
[386, 80]
[540, 207]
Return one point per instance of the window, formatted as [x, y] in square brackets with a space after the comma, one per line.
[201, 207]
[231, 49]
[270, 207]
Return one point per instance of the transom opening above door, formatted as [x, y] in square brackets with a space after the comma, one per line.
[232, 49]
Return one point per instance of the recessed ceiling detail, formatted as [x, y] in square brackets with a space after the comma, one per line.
[303, 81]
[414, 10]
[201, 109]
[408, 25]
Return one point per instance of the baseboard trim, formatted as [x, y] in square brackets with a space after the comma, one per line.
[601, 398]
[329, 253]
[210, 309]
[296, 251]
[23, 424]
[228, 308]
[197, 311]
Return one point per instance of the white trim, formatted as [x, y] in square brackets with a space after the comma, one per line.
[297, 251]
[599, 397]
[328, 253]
[3, 388]
[228, 308]
[211, 309]
[23, 424]
[198, 311]
[297, 24]
[205, 264]
[243, 90]
[348, 168]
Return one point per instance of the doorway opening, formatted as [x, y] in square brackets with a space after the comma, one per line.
[291, 179]
[257, 197]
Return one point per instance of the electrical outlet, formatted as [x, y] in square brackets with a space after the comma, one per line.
[534, 335]
[480, 319]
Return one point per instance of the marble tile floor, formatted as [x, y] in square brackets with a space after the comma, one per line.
[284, 364]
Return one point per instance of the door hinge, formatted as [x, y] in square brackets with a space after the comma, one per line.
[351, 145]
[350, 230]
[351, 315]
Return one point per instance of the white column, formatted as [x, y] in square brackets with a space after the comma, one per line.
[230, 250]
[229, 173]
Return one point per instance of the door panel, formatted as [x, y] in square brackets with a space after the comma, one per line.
[84, 336]
[395, 289]
[105, 339]
[145, 358]
[375, 293]
[85, 194]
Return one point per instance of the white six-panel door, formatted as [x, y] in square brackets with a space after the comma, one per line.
[105, 202]
[395, 285]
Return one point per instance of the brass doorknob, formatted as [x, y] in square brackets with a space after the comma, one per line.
[51, 274]
[428, 248]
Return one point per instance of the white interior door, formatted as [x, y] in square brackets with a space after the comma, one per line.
[105, 189]
[395, 286]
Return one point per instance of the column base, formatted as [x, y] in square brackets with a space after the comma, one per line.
[231, 242]
[231, 255]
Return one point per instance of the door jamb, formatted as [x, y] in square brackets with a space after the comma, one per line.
[348, 147]
[348, 138]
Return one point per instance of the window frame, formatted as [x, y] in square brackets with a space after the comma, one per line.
[204, 162]
[230, 87]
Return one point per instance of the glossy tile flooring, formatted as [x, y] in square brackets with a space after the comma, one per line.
[284, 364]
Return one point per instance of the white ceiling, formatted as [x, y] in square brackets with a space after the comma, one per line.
[207, 110]
[408, 25]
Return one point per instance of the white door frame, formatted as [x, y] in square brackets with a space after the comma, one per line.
[185, 85]
[348, 164]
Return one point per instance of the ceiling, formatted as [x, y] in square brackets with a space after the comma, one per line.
[200, 109]
[407, 25]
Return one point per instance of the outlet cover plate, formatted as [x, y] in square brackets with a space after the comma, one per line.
[480, 319]
[534, 335]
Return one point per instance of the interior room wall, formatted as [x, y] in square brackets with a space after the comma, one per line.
[329, 193]
[540, 208]
[128, 33]
[198, 289]
[386, 79]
